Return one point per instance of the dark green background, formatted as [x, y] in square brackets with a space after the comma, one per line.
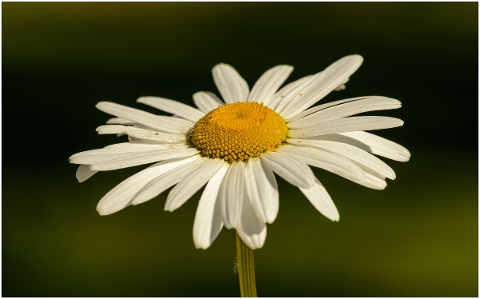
[418, 237]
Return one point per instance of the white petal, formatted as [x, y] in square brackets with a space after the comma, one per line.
[344, 110]
[95, 156]
[326, 160]
[173, 107]
[120, 121]
[113, 152]
[142, 134]
[269, 82]
[143, 158]
[84, 173]
[372, 179]
[119, 197]
[323, 106]
[340, 138]
[262, 190]
[331, 78]
[206, 101]
[230, 84]
[166, 180]
[343, 86]
[150, 120]
[381, 146]
[252, 230]
[179, 125]
[137, 125]
[291, 92]
[321, 200]
[349, 124]
[350, 152]
[192, 183]
[369, 178]
[208, 218]
[231, 194]
[147, 145]
[154, 136]
[111, 129]
[290, 168]
[152, 142]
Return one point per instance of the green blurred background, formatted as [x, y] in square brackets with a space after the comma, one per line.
[418, 237]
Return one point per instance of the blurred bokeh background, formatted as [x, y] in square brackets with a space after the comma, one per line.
[418, 237]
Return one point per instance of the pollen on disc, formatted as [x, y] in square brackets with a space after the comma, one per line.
[239, 131]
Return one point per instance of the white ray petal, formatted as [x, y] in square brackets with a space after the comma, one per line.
[144, 141]
[143, 158]
[326, 160]
[350, 152]
[231, 194]
[146, 144]
[342, 86]
[322, 107]
[349, 124]
[137, 125]
[262, 190]
[119, 197]
[142, 134]
[208, 218]
[290, 168]
[84, 173]
[315, 83]
[173, 107]
[340, 138]
[157, 122]
[119, 121]
[111, 129]
[291, 92]
[96, 156]
[206, 101]
[192, 183]
[344, 110]
[230, 84]
[181, 125]
[269, 82]
[372, 179]
[381, 146]
[178, 130]
[154, 136]
[250, 228]
[116, 151]
[321, 200]
[332, 77]
[166, 180]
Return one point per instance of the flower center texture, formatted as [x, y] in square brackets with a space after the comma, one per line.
[239, 131]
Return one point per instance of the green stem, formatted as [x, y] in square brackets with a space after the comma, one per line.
[246, 269]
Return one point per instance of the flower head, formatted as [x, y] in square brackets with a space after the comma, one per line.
[236, 145]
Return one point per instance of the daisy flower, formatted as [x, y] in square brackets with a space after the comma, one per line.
[235, 146]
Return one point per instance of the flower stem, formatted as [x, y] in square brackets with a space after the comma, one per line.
[246, 269]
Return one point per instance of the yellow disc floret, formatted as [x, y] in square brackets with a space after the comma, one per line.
[239, 131]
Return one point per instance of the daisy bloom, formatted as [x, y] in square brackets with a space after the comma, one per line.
[235, 146]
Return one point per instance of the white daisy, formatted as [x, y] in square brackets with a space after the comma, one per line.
[236, 145]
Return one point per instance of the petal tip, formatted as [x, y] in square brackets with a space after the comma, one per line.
[101, 105]
[219, 65]
[357, 56]
[142, 100]
[201, 245]
[103, 212]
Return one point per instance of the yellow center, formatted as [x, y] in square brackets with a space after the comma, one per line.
[239, 131]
